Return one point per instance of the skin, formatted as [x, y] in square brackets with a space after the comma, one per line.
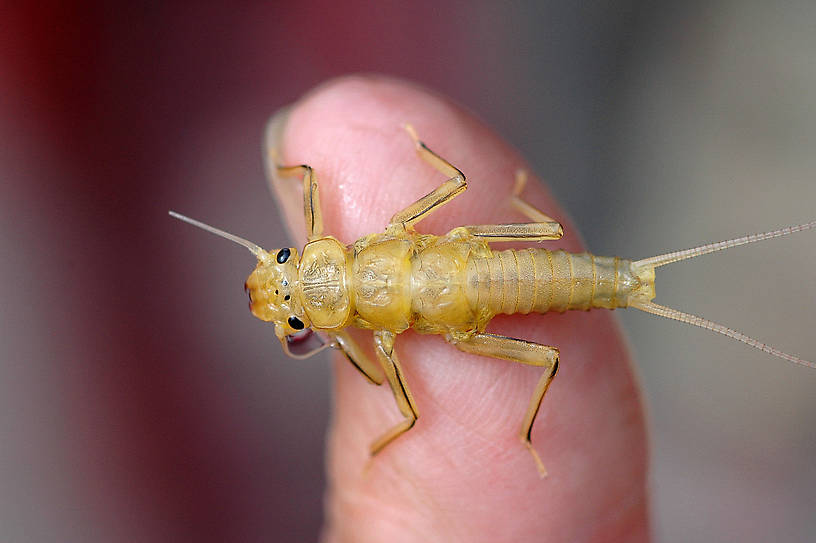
[462, 474]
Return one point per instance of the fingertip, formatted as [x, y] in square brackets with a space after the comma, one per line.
[360, 134]
[352, 131]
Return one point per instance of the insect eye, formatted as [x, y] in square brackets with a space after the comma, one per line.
[283, 255]
[295, 323]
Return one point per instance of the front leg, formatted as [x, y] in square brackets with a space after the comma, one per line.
[384, 347]
[311, 199]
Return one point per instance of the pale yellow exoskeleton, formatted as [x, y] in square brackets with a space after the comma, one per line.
[451, 285]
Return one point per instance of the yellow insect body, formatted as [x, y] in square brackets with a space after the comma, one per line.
[451, 285]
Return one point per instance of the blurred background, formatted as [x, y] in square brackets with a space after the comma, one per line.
[139, 401]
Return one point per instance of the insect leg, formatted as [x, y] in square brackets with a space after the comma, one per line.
[523, 352]
[524, 207]
[311, 200]
[533, 231]
[545, 228]
[443, 194]
[439, 163]
[384, 346]
[358, 358]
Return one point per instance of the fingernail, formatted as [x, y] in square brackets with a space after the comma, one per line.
[287, 193]
[273, 142]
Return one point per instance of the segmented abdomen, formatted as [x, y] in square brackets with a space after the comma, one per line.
[538, 280]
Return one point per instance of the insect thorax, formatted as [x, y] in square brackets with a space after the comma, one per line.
[323, 280]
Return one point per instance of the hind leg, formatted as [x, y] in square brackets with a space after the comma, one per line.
[523, 352]
[532, 231]
[544, 228]
[529, 211]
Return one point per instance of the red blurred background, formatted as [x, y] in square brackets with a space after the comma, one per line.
[140, 401]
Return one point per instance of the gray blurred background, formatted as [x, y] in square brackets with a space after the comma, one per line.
[139, 401]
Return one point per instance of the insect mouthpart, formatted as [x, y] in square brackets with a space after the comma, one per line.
[304, 343]
[249, 295]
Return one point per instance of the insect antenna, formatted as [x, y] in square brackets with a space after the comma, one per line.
[256, 250]
[675, 256]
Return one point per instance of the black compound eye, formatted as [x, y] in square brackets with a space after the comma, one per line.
[295, 323]
[283, 255]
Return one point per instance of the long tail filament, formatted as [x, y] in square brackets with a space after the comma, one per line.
[675, 256]
[669, 313]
